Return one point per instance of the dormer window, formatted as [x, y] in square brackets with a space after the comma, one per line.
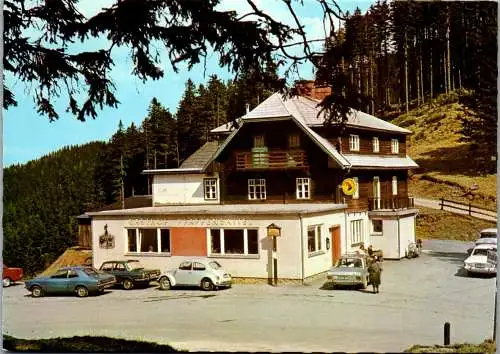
[293, 141]
[376, 146]
[258, 141]
[354, 142]
[395, 146]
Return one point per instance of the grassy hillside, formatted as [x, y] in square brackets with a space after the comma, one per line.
[448, 167]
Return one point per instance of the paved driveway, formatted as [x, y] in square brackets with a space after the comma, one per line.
[417, 297]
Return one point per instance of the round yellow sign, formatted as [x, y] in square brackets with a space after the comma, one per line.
[348, 186]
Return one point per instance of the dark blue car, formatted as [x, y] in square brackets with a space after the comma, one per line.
[79, 280]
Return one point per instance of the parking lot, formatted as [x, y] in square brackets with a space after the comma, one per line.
[417, 297]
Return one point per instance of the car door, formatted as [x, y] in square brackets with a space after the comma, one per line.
[184, 273]
[108, 267]
[119, 271]
[73, 279]
[198, 273]
[58, 282]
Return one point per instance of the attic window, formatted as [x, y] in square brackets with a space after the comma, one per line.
[293, 141]
[354, 142]
[258, 141]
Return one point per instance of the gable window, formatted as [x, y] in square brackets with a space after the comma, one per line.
[376, 145]
[233, 241]
[258, 141]
[354, 142]
[303, 188]
[148, 240]
[356, 193]
[257, 189]
[395, 146]
[314, 238]
[210, 187]
[394, 185]
[293, 141]
[356, 231]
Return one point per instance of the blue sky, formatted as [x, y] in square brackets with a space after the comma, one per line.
[28, 135]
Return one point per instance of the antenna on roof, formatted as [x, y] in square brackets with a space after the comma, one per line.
[247, 107]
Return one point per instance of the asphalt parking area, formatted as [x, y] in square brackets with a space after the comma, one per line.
[416, 297]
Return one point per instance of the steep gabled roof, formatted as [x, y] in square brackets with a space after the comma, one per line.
[274, 107]
[308, 109]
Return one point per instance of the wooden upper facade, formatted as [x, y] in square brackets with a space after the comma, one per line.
[282, 153]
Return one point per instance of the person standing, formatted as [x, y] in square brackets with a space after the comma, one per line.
[375, 270]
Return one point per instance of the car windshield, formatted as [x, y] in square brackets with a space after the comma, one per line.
[215, 265]
[134, 266]
[350, 263]
[488, 235]
[91, 272]
[481, 251]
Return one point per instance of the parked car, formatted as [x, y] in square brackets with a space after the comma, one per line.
[130, 273]
[350, 270]
[487, 236]
[80, 280]
[11, 275]
[478, 262]
[204, 273]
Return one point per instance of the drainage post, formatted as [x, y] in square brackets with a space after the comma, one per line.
[447, 333]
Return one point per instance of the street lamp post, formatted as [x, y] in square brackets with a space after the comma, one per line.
[274, 232]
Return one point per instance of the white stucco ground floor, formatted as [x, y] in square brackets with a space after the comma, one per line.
[312, 236]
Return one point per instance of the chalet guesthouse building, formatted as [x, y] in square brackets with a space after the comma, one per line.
[280, 166]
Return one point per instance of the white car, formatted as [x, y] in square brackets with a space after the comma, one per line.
[207, 274]
[478, 262]
[487, 236]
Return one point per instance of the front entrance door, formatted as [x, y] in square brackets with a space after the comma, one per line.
[336, 251]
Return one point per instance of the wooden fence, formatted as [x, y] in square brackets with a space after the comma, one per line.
[465, 207]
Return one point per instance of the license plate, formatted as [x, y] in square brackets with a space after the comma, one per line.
[480, 265]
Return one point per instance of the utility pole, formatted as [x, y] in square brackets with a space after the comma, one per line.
[122, 173]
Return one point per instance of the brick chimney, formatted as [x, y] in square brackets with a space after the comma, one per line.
[307, 88]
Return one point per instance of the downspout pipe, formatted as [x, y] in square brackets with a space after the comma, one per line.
[399, 239]
[302, 247]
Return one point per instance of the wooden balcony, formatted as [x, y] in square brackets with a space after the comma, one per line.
[274, 159]
[390, 203]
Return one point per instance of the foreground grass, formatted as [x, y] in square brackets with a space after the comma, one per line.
[438, 224]
[488, 346]
[85, 344]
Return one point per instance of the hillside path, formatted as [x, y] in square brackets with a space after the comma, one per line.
[435, 204]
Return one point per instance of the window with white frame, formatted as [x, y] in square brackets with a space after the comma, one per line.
[394, 185]
[376, 145]
[148, 240]
[303, 188]
[257, 189]
[395, 146]
[314, 238]
[356, 183]
[293, 141]
[234, 241]
[258, 141]
[376, 226]
[356, 231]
[210, 187]
[354, 142]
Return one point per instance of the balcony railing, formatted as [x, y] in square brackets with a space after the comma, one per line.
[274, 159]
[390, 203]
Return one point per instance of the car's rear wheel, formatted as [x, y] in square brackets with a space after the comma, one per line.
[206, 284]
[82, 291]
[164, 283]
[127, 284]
[7, 282]
[36, 291]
